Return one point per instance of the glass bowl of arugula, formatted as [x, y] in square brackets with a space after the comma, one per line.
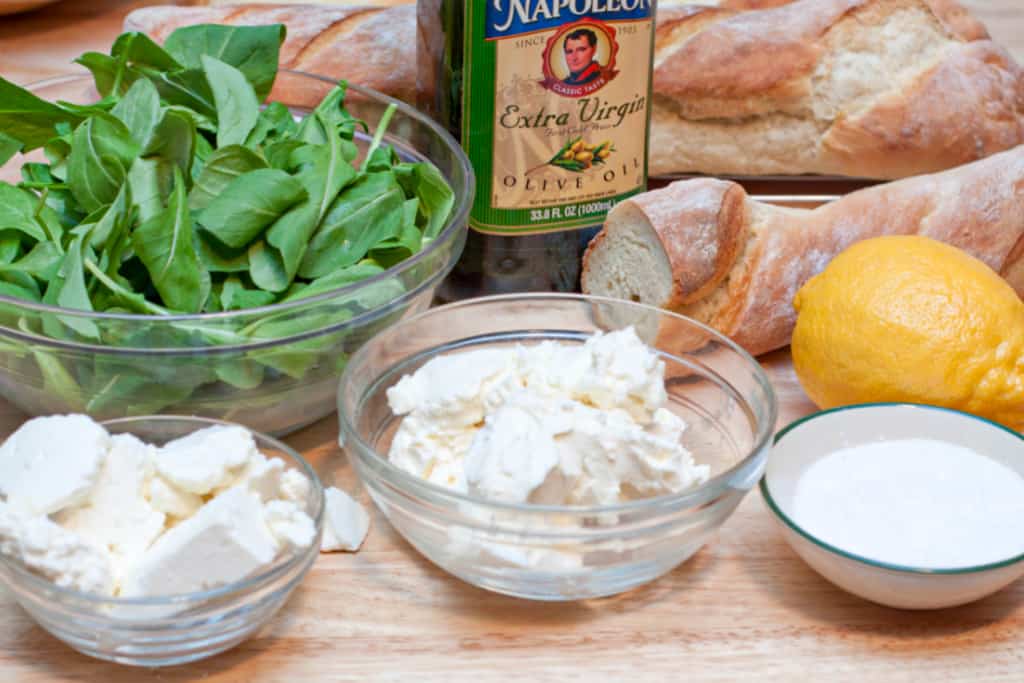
[191, 234]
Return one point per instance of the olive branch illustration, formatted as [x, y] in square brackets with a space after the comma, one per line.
[577, 156]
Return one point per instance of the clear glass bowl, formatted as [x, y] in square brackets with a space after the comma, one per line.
[560, 552]
[273, 368]
[166, 630]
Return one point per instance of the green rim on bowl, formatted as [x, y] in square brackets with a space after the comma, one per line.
[774, 507]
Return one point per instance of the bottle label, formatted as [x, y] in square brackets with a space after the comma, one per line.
[555, 110]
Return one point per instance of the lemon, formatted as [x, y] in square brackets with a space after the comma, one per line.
[907, 318]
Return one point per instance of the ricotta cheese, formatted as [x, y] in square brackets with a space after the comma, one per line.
[206, 459]
[557, 424]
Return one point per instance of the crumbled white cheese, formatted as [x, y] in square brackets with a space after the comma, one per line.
[52, 462]
[295, 487]
[206, 459]
[550, 424]
[54, 553]
[345, 522]
[117, 516]
[289, 523]
[170, 500]
[225, 541]
[131, 519]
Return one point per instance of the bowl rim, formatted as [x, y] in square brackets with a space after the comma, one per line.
[456, 222]
[692, 496]
[277, 570]
[774, 507]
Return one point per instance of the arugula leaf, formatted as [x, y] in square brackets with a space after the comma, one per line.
[437, 199]
[71, 290]
[27, 118]
[323, 174]
[187, 88]
[18, 212]
[275, 122]
[367, 212]
[8, 147]
[222, 168]
[165, 245]
[139, 111]
[19, 292]
[238, 109]
[10, 247]
[104, 69]
[217, 258]
[139, 49]
[336, 280]
[150, 183]
[42, 262]
[129, 299]
[173, 139]
[253, 50]
[102, 150]
[235, 296]
[249, 204]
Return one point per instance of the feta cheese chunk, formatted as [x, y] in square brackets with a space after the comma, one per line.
[61, 556]
[225, 541]
[50, 463]
[295, 487]
[345, 522]
[171, 500]
[289, 523]
[206, 459]
[117, 516]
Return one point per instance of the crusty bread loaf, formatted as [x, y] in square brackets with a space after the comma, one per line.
[871, 88]
[375, 47]
[954, 15]
[705, 249]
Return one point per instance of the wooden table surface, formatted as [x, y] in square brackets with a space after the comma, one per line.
[744, 608]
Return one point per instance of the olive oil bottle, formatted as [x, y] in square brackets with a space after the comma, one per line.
[551, 101]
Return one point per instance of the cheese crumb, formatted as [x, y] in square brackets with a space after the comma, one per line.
[345, 522]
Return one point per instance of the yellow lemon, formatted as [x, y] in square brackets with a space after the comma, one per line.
[907, 318]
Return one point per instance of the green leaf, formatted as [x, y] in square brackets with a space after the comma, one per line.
[139, 111]
[18, 212]
[58, 197]
[238, 109]
[253, 50]
[165, 245]
[279, 154]
[72, 292]
[336, 280]
[27, 118]
[129, 299]
[275, 122]
[10, 247]
[139, 49]
[323, 174]
[42, 262]
[150, 182]
[102, 150]
[173, 140]
[217, 258]
[19, 292]
[328, 119]
[184, 88]
[222, 168]
[235, 296]
[111, 230]
[104, 70]
[8, 147]
[437, 199]
[365, 214]
[249, 204]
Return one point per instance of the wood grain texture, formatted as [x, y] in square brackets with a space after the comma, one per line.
[744, 608]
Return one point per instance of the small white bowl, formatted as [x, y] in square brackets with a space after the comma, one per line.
[813, 437]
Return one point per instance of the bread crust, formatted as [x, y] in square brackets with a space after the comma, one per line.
[722, 74]
[978, 207]
[374, 47]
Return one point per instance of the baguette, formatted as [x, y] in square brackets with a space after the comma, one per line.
[374, 47]
[866, 88]
[705, 249]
